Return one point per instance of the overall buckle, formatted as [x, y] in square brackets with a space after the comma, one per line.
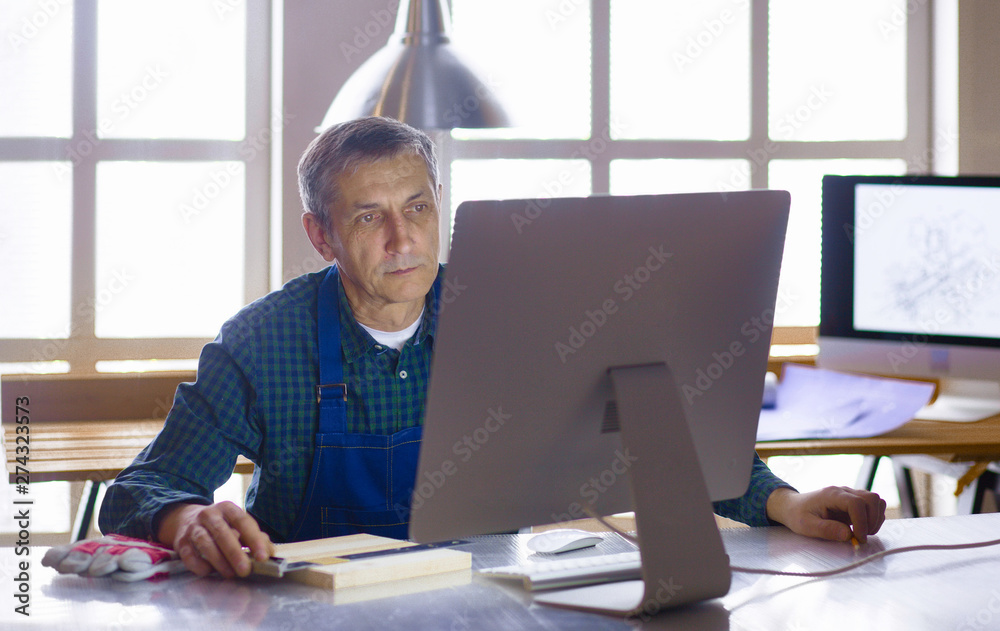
[320, 387]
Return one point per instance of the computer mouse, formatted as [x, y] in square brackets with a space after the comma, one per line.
[563, 540]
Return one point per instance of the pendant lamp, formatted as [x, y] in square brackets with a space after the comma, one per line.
[418, 78]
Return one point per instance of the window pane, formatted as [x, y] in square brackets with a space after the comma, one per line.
[517, 179]
[34, 368]
[170, 248]
[798, 290]
[35, 241]
[146, 365]
[680, 69]
[535, 57]
[36, 66]
[837, 72]
[652, 177]
[171, 69]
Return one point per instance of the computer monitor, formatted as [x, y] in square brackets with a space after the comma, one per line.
[604, 351]
[911, 285]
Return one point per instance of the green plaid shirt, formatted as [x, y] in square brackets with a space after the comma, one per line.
[255, 396]
[751, 509]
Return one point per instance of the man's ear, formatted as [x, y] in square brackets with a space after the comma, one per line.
[318, 236]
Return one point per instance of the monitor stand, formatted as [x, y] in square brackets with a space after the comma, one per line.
[963, 401]
[683, 559]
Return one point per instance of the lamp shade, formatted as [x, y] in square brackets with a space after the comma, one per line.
[418, 78]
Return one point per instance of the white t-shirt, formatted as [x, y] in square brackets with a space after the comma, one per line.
[395, 339]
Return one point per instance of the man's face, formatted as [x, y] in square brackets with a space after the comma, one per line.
[384, 235]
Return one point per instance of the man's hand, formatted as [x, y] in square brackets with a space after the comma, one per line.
[836, 512]
[212, 538]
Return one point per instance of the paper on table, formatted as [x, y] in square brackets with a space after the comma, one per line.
[819, 403]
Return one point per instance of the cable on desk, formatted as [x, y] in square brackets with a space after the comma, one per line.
[868, 559]
[821, 573]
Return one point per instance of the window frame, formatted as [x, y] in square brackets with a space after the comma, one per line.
[915, 148]
[82, 349]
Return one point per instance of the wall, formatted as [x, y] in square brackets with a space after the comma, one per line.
[324, 42]
[979, 87]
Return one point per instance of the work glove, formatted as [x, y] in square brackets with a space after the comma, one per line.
[124, 558]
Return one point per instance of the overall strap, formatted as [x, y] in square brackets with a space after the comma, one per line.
[331, 392]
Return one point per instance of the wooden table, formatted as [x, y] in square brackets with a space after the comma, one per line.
[968, 448]
[93, 452]
[86, 451]
[955, 442]
[83, 428]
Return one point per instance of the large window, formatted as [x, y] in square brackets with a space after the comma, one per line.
[134, 140]
[630, 96]
[134, 163]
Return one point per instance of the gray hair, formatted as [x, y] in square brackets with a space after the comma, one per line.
[342, 148]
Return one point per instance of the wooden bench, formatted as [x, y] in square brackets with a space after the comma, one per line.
[83, 428]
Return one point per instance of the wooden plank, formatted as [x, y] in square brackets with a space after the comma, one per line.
[63, 455]
[383, 569]
[85, 450]
[332, 546]
[85, 445]
[980, 440]
[76, 430]
[371, 571]
[91, 397]
[86, 468]
[73, 470]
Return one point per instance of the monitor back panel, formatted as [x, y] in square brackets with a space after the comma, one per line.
[541, 298]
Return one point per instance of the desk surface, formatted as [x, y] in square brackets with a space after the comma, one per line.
[953, 589]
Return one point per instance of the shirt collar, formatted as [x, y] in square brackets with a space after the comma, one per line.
[355, 341]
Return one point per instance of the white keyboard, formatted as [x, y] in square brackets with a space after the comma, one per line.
[572, 572]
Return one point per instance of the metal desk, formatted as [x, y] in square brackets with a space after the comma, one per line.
[930, 590]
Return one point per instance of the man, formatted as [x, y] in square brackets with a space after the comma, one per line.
[322, 384]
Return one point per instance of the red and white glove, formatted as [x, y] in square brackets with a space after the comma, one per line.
[124, 558]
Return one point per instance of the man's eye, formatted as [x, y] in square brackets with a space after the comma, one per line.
[370, 217]
[420, 208]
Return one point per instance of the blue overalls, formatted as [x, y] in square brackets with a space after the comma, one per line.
[359, 482]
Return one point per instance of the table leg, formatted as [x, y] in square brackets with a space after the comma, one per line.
[904, 485]
[970, 502]
[85, 513]
[866, 475]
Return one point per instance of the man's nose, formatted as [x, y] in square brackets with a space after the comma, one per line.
[399, 237]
